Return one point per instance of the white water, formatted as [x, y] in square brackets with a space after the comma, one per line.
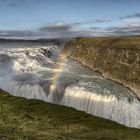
[29, 72]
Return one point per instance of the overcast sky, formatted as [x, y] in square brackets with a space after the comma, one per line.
[68, 18]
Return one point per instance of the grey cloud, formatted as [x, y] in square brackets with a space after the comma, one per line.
[122, 30]
[14, 3]
[103, 20]
[20, 34]
[126, 30]
[17, 33]
[69, 30]
[61, 30]
[60, 27]
[136, 15]
[95, 28]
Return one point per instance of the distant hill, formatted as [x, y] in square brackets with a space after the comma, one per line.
[57, 41]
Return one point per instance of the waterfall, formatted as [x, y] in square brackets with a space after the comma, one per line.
[32, 73]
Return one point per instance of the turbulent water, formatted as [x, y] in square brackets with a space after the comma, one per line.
[34, 72]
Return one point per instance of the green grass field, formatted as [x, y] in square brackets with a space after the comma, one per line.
[23, 119]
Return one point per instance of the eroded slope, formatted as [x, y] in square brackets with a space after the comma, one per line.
[117, 58]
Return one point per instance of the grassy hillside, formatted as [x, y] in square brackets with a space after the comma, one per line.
[117, 58]
[22, 119]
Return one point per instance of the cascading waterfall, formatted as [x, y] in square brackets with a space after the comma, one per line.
[35, 73]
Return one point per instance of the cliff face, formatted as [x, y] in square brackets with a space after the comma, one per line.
[117, 58]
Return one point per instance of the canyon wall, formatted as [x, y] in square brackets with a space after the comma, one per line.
[117, 58]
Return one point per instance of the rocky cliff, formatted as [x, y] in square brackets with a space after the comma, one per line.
[117, 58]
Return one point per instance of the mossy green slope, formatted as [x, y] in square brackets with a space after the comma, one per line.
[23, 119]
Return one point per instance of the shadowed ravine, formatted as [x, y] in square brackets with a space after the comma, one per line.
[35, 73]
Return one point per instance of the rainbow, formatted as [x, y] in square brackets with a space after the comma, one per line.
[58, 69]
